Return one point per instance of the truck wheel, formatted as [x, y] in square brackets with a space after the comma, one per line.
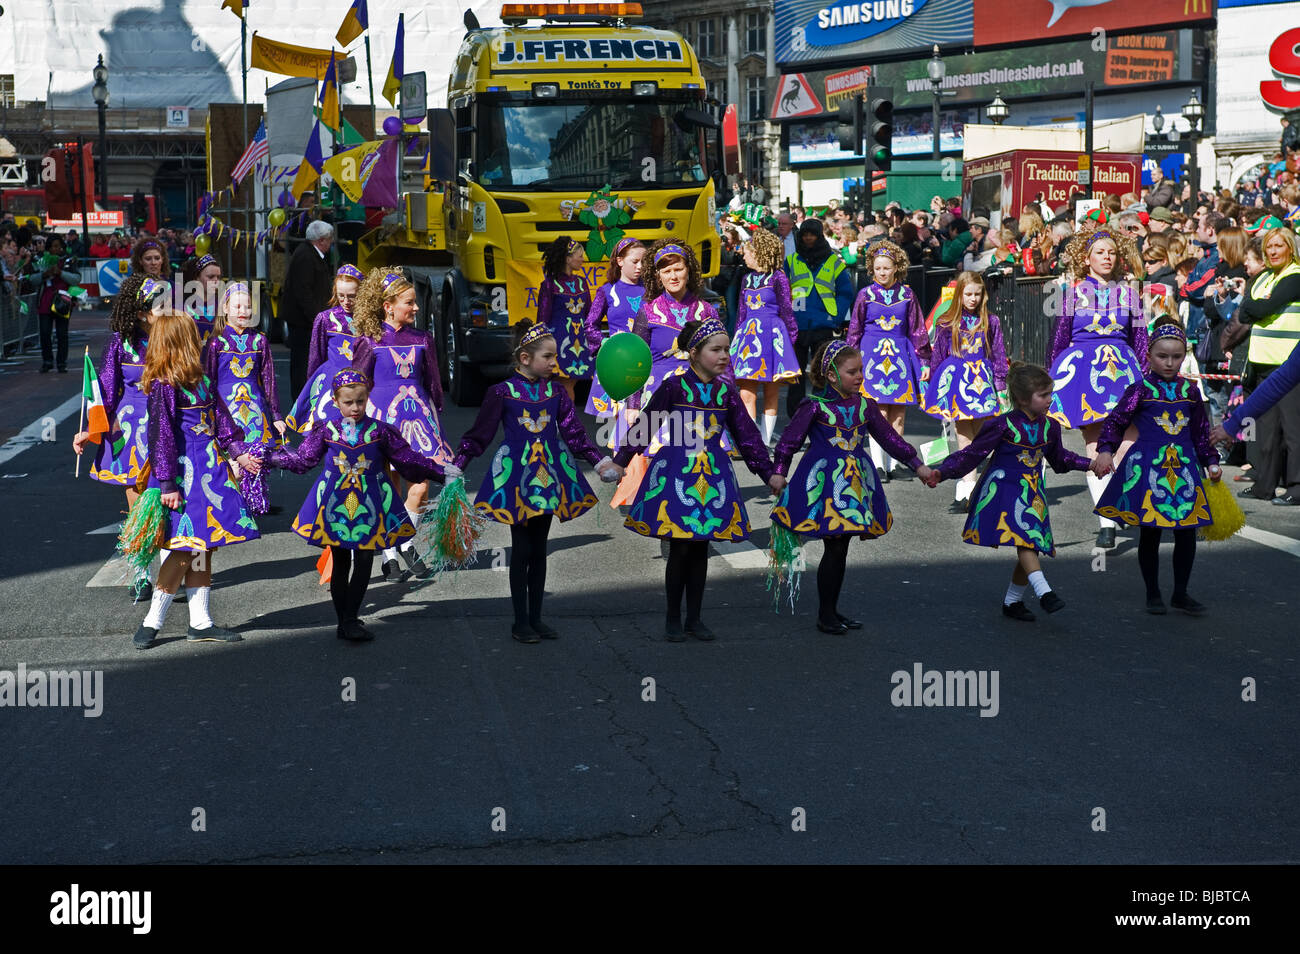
[465, 385]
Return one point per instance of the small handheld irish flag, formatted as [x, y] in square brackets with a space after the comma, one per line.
[93, 401]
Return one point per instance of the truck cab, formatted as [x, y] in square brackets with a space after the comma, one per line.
[566, 121]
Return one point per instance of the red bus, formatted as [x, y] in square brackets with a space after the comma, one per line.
[29, 204]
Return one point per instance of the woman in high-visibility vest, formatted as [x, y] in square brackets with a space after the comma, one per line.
[1271, 306]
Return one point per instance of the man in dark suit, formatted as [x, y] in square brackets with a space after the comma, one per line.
[307, 287]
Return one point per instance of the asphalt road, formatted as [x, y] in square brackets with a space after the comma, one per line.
[456, 727]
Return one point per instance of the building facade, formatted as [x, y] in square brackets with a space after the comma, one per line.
[736, 46]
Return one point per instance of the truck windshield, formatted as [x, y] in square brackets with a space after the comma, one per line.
[583, 144]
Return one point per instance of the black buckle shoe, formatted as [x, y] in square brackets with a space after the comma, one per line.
[848, 623]
[1051, 602]
[1286, 500]
[141, 592]
[1188, 605]
[390, 570]
[544, 631]
[1018, 610]
[834, 629]
[213, 634]
[673, 631]
[144, 637]
[356, 632]
[1156, 606]
[697, 629]
[524, 634]
[1106, 538]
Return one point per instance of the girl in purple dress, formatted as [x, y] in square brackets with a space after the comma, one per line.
[968, 368]
[124, 451]
[402, 364]
[563, 301]
[191, 441]
[237, 360]
[353, 508]
[1009, 505]
[888, 328]
[202, 292]
[1099, 347]
[762, 353]
[534, 477]
[834, 494]
[333, 346]
[1160, 485]
[690, 495]
[617, 302]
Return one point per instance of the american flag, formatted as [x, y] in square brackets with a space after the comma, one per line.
[258, 149]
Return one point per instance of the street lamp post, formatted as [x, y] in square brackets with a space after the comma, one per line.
[936, 70]
[997, 111]
[100, 92]
[1193, 112]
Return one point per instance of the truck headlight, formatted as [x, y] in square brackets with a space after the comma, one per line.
[546, 90]
[645, 88]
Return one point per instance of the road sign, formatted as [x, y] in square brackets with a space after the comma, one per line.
[795, 97]
[1085, 176]
[1085, 161]
[414, 100]
[110, 273]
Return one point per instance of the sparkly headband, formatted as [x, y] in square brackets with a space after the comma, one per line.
[350, 271]
[669, 250]
[204, 262]
[574, 247]
[1097, 237]
[707, 329]
[148, 243]
[234, 288]
[883, 247]
[536, 333]
[828, 357]
[392, 277]
[622, 246]
[348, 377]
[1169, 331]
[150, 288]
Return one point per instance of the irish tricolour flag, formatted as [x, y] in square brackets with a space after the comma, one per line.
[96, 416]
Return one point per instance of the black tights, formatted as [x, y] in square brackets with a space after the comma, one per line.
[347, 594]
[830, 577]
[687, 570]
[1149, 558]
[528, 568]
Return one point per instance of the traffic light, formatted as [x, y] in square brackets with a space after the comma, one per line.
[139, 209]
[850, 131]
[880, 127]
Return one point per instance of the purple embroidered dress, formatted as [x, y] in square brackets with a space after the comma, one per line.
[763, 348]
[888, 328]
[203, 321]
[659, 322]
[241, 367]
[125, 448]
[690, 491]
[617, 302]
[1008, 505]
[191, 438]
[407, 392]
[965, 380]
[1159, 482]
[834, 490]
[333, 346]
[353, 503]
[533, 471]
[1098, 351]
[562, 305]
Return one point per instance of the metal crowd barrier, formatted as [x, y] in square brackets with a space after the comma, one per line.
[19, 326]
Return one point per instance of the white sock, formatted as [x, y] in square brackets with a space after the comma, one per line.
[965, 487]
[414, 516]
[199, 618]
[157, 615]
[1096, 487]
[769, 426]
[390, 553]
[1015, 594]
[878, 456]
[1039, 583]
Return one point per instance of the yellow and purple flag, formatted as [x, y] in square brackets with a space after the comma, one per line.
[395, 72]
[329, 98]
[354, 24]
[234, 6]
[309, 170]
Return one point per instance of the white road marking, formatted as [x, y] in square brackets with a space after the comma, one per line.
[113, 528]
[115, 572]
[30, 435]
[1275, 540]
[742, 555]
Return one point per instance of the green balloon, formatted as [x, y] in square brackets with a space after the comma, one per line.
[623, 365]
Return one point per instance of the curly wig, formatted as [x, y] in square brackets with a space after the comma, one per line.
[650, 276]
[890, 250]
[368, 312]
[142, 246]
[1127, 262]
[555, 256]
[125, 317]
[769, 250]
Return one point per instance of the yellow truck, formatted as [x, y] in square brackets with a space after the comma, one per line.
[568, 120]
